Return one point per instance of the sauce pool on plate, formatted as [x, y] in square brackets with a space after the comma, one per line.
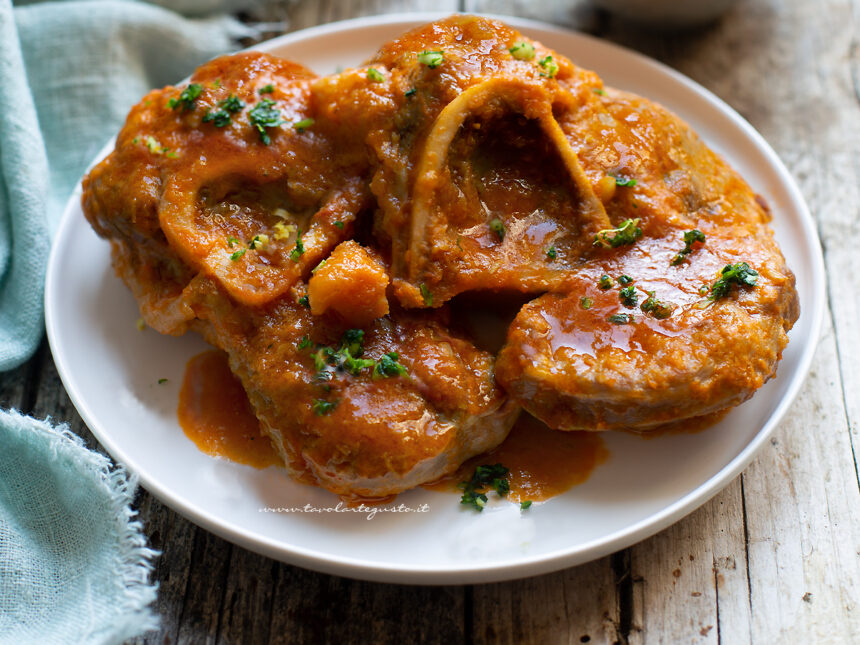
[542, 462]
[215, 414]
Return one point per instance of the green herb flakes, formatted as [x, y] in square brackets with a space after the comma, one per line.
[263, 116]
[657, 308]
[621, 319]
[186, 98]
[627, 233]
[485, 477]
[304, 124]
[628, 296]
[498, 227]
[549, 67]
[228, 107]
[322, 407]
[624, 181]
[431, 58]
[739, 273]
[388, 366]
[426, 295]
[690, 238]
[522, 50]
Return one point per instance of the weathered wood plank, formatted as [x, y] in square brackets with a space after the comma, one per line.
[316, 608]
[802, 523]
[577, 605]
[690, 581]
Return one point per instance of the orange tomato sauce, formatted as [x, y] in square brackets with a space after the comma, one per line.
[543, 462]
[215, 414]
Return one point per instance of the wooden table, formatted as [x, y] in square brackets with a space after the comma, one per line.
[771, 559]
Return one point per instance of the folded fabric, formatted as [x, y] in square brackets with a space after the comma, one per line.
[70, 71]
[74, 565]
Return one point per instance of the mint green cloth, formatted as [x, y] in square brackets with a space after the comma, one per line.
[74, 566]
[69, 72]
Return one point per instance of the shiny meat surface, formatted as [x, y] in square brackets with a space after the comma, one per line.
[674, 351]
[336, 413]
[315, 228]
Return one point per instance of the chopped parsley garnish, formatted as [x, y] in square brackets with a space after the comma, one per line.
[339, 225]
[264, 115]
[304, 301]
[625, 279]
[237, 254]
[387, 366]
[304, 124]
[551, 253]
[522, 50]
[623, 181]
[431, 58]
[525, 504]
[425, 293]
[605, 282]
[304, 343]
[495, 476]
[348, 358]
[162, 381]
[258, 241]
[231, 241]
[498, 227]
[628, 296]
[690, 238]
[549, 67]
[375, 75]
[186, 98]
[322, 407]
[216, 83]
[221, 118]
[319, 266]
[599, 91]
[297, 252]
[739, 273]
[627, 233]
[153, 145]
[586, 303]
[266, 89]
[621, 319]
[657, 308]
[410, 92]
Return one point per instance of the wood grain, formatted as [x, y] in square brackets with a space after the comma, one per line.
[772, 558]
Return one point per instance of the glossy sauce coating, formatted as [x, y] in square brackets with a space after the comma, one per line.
[217, 230]
[215, 414]
[543, 462]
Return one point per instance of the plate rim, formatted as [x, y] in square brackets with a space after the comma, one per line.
[494, 570]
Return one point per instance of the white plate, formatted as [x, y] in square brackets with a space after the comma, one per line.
[110, 370]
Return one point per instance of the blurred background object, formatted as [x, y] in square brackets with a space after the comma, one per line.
[667, 14]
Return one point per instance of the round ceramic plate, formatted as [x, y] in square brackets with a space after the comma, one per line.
[111, 371]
